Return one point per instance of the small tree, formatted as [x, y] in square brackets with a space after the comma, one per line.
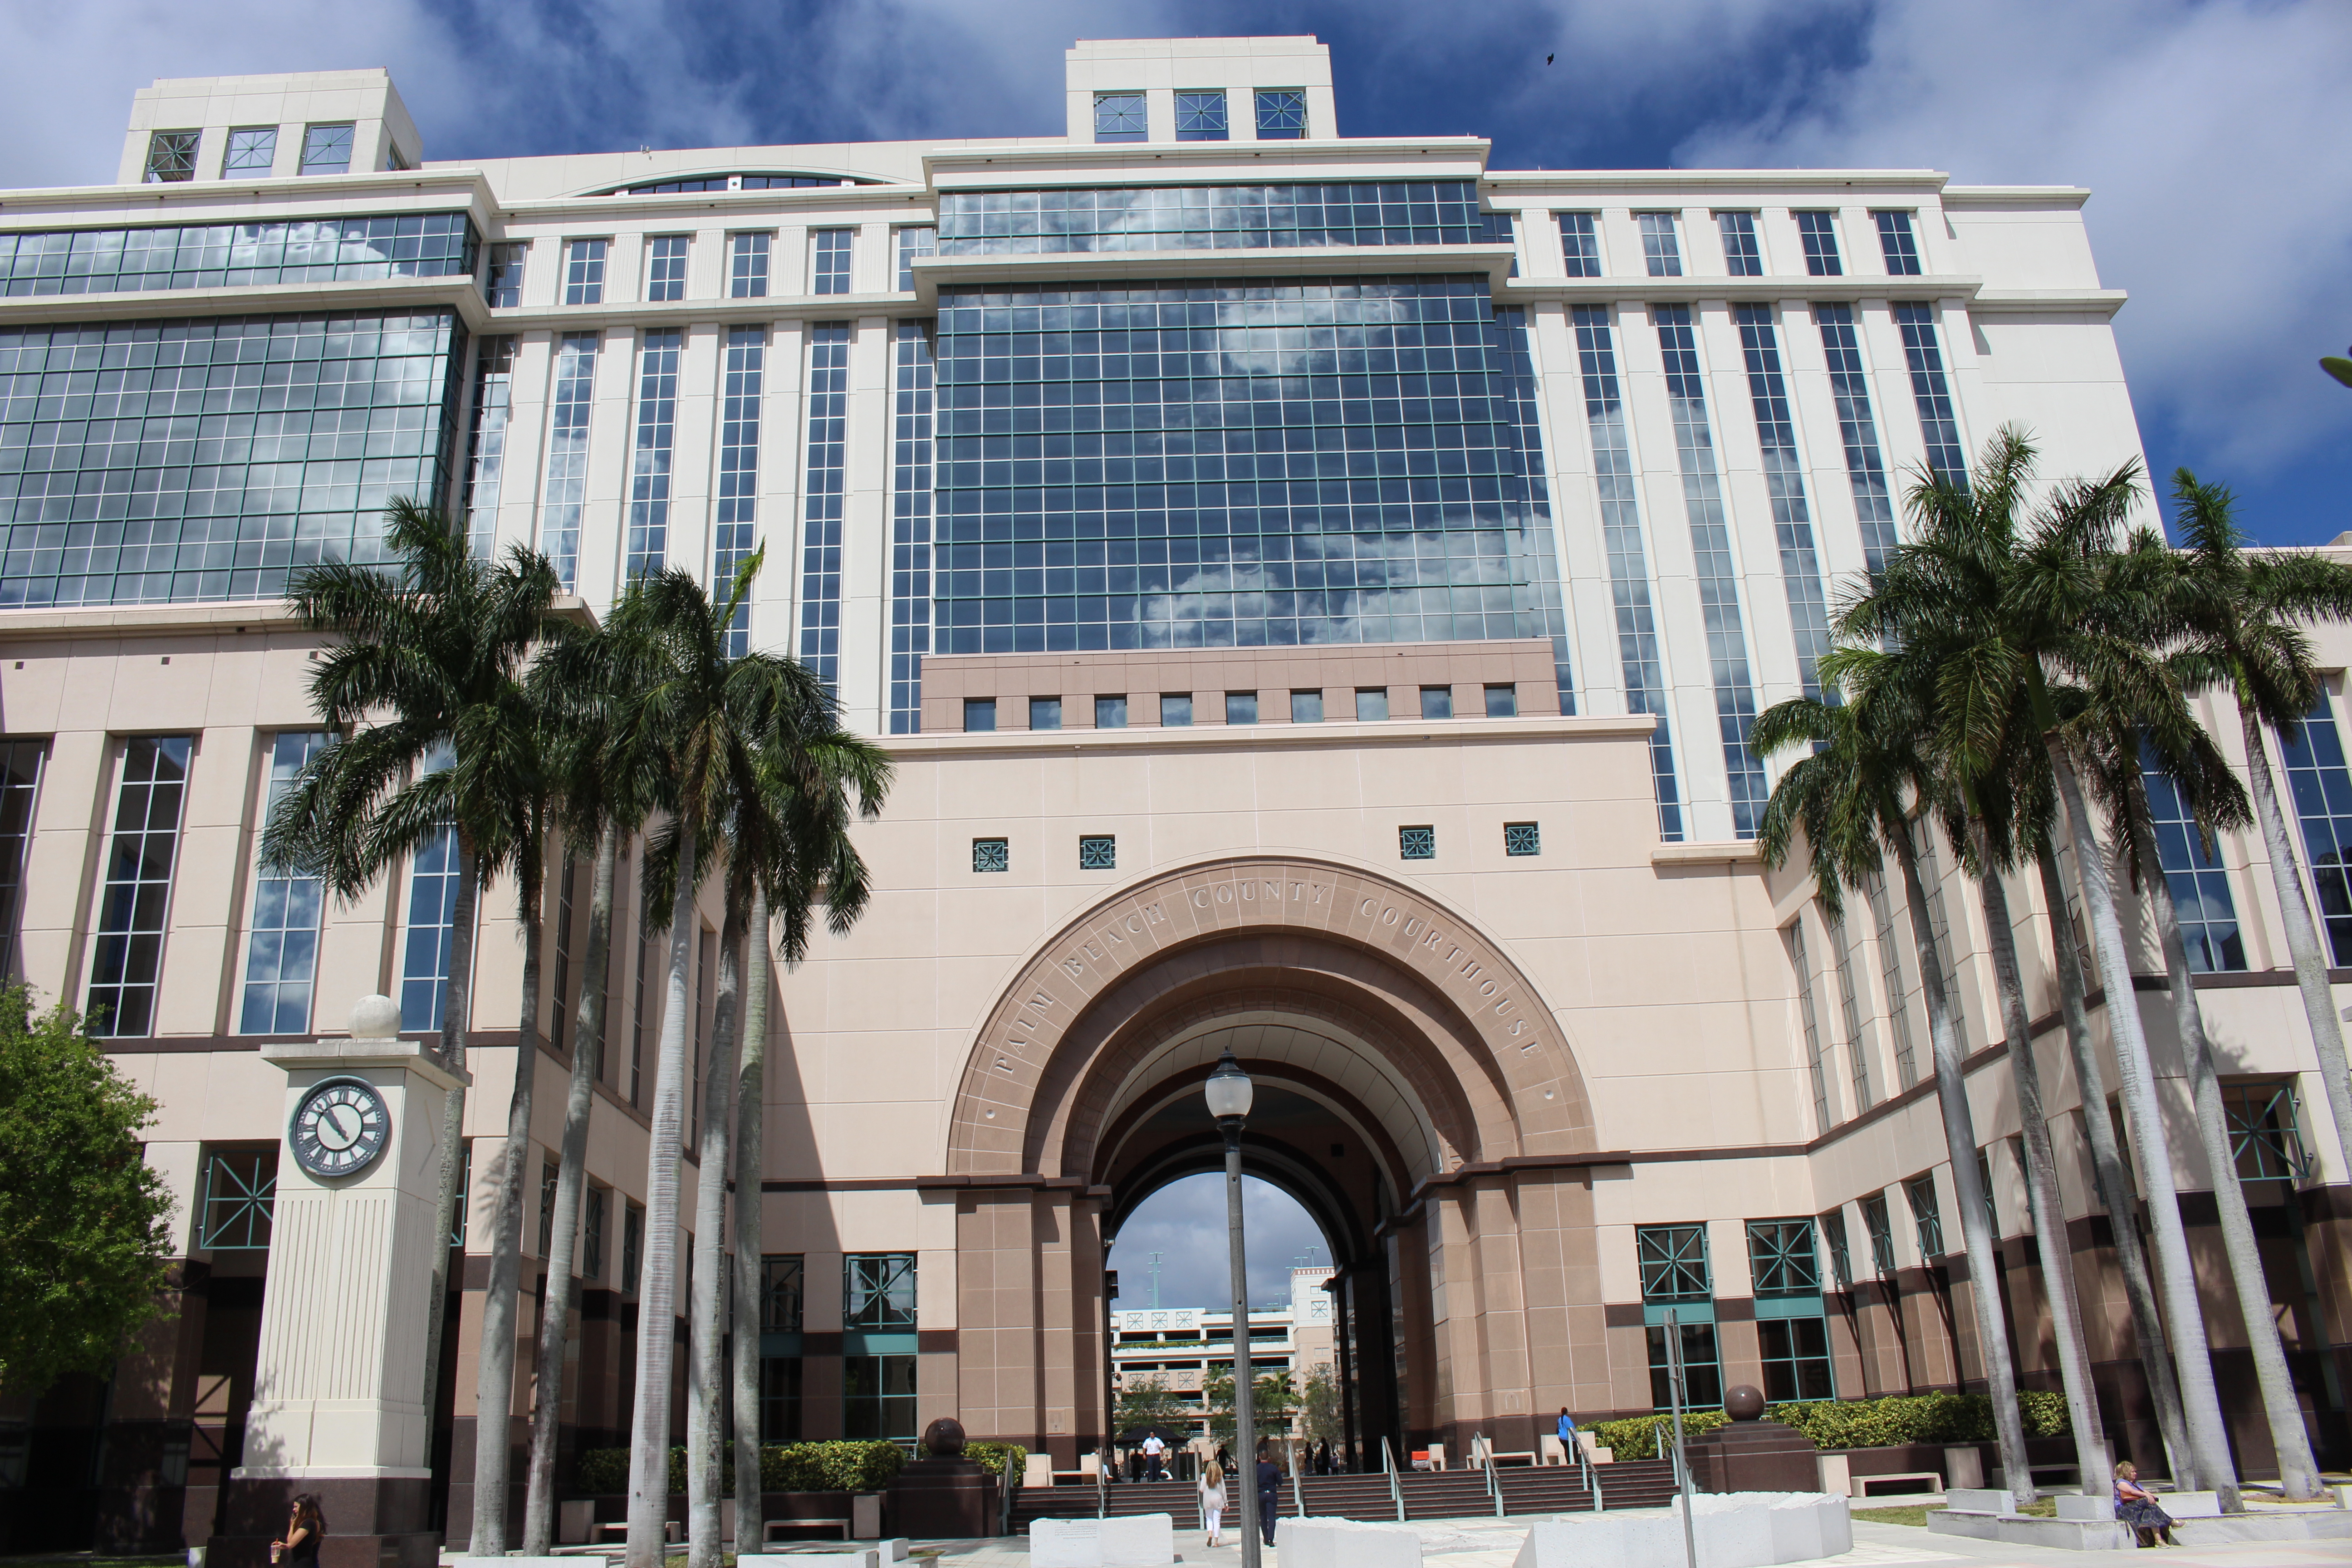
[1272, 1400]
[85, 1225]
[1149, 1401]
[1319, 1405]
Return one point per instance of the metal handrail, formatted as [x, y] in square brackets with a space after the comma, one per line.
[1591, 1481]
[1297, 1489]
[1396, 1489]
[1102, 1491]
[1010, 1481]
[1485, 1452]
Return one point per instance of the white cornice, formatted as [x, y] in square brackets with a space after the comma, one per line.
[1271, 736]
[1966, 196]
[234, 201]
[460, 294]
[1921, 180]
[1201, 162]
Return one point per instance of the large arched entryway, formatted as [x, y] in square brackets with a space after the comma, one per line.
[1423, 1102]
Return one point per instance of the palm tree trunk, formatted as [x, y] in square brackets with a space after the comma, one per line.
[1967, 1182]
[707, 1313]
[2209, 1445]
[2048, 1209]
[2298, 1472]
[457, 1005]
[658, 1294]
[493, 1387]
[2301, 930]
[571, 1177]
[2107, 1171]
[750, 1114]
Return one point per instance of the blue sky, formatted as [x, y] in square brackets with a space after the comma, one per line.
[2213, 132]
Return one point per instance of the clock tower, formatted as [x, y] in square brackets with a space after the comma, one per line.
[339, 1403]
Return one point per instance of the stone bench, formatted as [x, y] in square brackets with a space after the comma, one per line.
[1348, 1544]
[1138, 1541]
[1862, 1484]
[1733, 1530]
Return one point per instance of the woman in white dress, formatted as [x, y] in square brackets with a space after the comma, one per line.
[1213, 1499]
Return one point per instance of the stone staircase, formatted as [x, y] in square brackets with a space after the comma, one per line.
[1445, 1494]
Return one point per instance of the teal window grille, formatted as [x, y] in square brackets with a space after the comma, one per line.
[992, 854]
[1417, 843]
[240, 1198]
[1098, 852]
[879, 1291]
[1522, 839]
[1920, 1192]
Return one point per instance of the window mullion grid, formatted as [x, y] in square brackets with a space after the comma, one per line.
[1628, 573]
[567, 456]
[827, 401]
[734, 532]
[650, 469]
[911, 525]
[1718, 576]
[1784, 484]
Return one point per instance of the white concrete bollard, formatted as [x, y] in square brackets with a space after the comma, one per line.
[1732, 1530]
[2088, 1510]
[1978, 1499]
[1138, 1541]
[1065, 1543]
[1347, 1543]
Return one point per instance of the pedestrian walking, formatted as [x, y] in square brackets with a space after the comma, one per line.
[1213, 1501]
[1566, 1437]
[1269, 1485]
[1153, 1448]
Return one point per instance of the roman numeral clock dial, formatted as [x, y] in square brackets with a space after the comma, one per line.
[340, 1128]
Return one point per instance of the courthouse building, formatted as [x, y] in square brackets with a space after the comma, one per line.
[1313, 590]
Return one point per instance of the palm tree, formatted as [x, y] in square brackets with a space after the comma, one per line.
[2240, 610]
[2013, 608]
[2005, 803]
[2117, 752]
[811, 859]
[430, 667]
[1850, 799]
[694, 715]
[569, 683]
[2108, 1174]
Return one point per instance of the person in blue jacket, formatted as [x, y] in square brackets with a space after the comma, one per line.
[1566, 1437]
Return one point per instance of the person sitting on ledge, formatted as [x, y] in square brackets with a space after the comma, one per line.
[2136, 1506]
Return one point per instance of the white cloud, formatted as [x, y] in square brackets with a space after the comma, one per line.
[2213, 137]
[1185, 1223]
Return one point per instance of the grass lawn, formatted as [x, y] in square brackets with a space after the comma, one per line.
[1916, 1516]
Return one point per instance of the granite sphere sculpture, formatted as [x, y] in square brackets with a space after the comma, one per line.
[1744, 1402]
[943, 1438]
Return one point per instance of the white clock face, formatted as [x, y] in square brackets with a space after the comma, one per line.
[340, 1128]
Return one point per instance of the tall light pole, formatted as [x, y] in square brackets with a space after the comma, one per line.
[1229, 1091]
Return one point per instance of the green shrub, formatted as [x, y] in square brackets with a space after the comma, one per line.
[1638, 1437]
[990, 1456]
[840, 1466]
[1856, 1422]
[783, 1468]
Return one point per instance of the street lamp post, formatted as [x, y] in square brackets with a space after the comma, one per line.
[1229, 1091]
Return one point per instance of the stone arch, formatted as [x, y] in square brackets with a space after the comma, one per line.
[1416, 975]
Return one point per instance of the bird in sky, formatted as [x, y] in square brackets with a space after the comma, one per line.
[1548, 59]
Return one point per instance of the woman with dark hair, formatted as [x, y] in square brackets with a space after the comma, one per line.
[306, 1526]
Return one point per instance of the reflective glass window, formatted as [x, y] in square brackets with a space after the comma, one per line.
[878, 1397]
[1211, 217]
[238, 254]
[127, 957]
[281, 951]
[486, 444]
[583, 272]
[910, 517]
[2198, 883]
[2321, 787]
[1819, 231]
[747, 265]
[735, 526]
[1241, 707]
[503, 283]
[1371, 704]
[144, 462]
[1110, 712]
[1939, 425]
[1437, 702]
[913, 240]
[561, 502]
[979, 715]
[1580, 245]
[1502, 701]
[1045, 712]
[21, 763]
[1662, 251]
[822, 487]
[1176, 707]
[649, 458]
[665, 268]
[1307, 707]
[830, 260]
[1899, 243]
[1741, 256]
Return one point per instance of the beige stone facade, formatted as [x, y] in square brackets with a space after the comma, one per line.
[1510, 1037]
